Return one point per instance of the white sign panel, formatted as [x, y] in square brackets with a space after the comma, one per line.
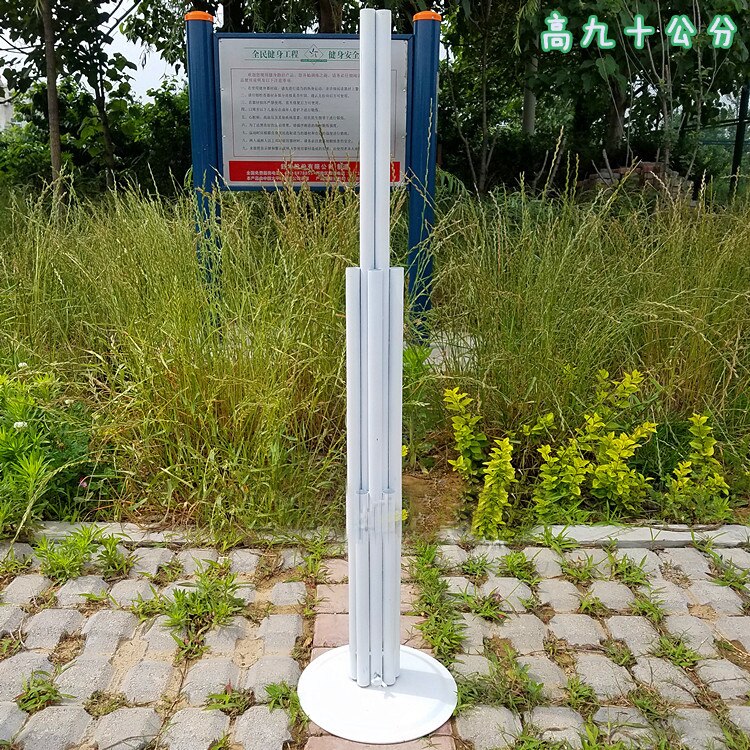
[290, 111]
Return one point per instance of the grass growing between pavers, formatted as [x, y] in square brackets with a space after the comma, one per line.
[39, 691]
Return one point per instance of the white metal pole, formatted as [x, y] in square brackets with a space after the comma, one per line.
[360, 691]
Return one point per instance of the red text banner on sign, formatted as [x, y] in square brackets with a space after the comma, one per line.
[300, 171]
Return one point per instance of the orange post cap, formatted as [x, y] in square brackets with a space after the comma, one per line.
[428, 15]
[198, 15]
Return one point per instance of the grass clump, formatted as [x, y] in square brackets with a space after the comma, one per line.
[516, 565]
[100, 703]
[282, 695]
[11, 566]
[628, 571]
[443, 625]
[581, 697]
[619, 653]
[487, 607]
[581, 571]
[508, 684]
[230, 701]
[67, 558]
[38, 692]
[113, 562]
[10, 645]
[677, 651]
[648, 605]
[476, 568]
[592, 605]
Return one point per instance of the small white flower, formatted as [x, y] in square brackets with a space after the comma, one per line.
[68, 401]
[20, 425]
[22, 365]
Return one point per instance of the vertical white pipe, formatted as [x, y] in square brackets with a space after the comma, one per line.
[361, 613]
[353, 445]
[377, 453]
[392, 553]
[383, 139]
[367, 154]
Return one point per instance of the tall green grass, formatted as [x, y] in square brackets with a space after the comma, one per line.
[228, 409]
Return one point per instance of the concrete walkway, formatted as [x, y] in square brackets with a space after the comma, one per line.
[647, 642]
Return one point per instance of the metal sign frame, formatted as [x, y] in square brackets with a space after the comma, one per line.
[421, 142]
[219, 36]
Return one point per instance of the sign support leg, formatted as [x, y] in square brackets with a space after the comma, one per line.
[375, 690]
[423, 161]
[204, 141]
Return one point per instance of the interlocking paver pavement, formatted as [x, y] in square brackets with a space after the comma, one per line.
[103, 647]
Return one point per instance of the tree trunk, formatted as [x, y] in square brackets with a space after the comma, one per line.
[234, 14]
[109, 146]
[330, 16]
[528, 124]
[53, 102]
[616, 120]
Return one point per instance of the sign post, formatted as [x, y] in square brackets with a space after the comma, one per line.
[374, 690]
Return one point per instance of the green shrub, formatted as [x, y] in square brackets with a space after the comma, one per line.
[493, 497]
[46, 467]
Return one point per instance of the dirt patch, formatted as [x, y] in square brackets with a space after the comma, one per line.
[434, 502]
[247, 652]
[703, 611]
[675, 575]
[67, 649]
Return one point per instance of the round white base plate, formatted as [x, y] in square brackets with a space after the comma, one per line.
[421, 701]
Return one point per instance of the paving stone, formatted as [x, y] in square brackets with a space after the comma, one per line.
[547, 674]
[54, 728]
[16, 669]
[667, 679]
[698, 729]
[695, 632]
[327, 742]
[330, 631]
[332, 598]
[147, 560]
[646, 559]
[613, 595]
[246, 592]
[526, 633]
[721, 599]
[489, 727]
[270, 669]
[105, 629]
[291, 558]
[557, 724]
[84, 676]
[671, 597]
[734, 629]
[11, 720]
[259, 728]
[740, 717]
[243, 561]
[729, 535]
[73, 592]
[474, 631]
[195, 729]
[126, 593]
[608, 680]
[288, 594]
[636, 632]
[159, 638]
[337, 570]
[280, 633]
[493, 552]
[546, 561]
[223, 640]
[209, 676]
[467, 665]
[127, 729]
[689, 560]
[578, 630]
[725, 678]
[738, 557]
[193, 560]
[511, 591]
[452, 556]
[22, 589]
[11, 619]
[626, 725]
[45, 628]
[562, 596]
[22, 552]
[458, 585]
[146, 681]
